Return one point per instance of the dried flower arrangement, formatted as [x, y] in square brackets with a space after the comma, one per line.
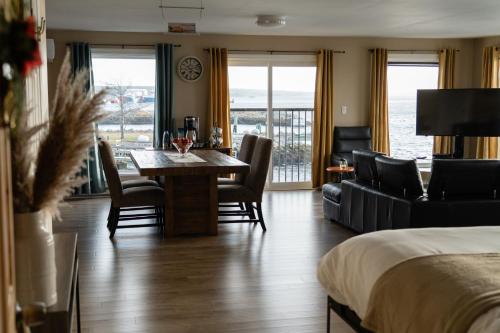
[41, 179]
[44, 184]
[42, 174]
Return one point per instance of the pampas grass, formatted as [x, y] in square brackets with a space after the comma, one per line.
[22, 162]
[63, 148]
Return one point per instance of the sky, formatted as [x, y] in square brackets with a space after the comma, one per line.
[126, 72]
[404, 81]
[284, 78]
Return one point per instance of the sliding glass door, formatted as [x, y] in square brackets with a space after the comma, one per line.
[273, 96]
[292, 111]
[248, 101]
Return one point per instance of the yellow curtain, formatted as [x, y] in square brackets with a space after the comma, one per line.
[323, 117]
[379, 110]
[446, 76]
[219, 94]
[488, 147]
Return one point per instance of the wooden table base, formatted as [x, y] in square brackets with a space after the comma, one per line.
[191, 205]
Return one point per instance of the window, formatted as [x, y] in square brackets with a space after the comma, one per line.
[405, 75]
[273, 96]
[129, 77]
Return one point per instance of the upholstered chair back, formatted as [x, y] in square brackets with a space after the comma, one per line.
[347, 139]
[364, 165]
[245, 155]
[259, 165]
[400, 177]
[464, 179]
[110, 170]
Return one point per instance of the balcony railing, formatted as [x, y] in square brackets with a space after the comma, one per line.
[292, 136]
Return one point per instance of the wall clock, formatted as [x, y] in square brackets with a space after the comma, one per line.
[189, 69]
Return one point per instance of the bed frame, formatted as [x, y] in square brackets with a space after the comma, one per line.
[347, 315]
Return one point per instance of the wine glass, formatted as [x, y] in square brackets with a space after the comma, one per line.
[182, 145]
[343, 164]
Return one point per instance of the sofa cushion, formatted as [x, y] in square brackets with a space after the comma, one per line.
[464, 179]
[332, 191]
[365, 168]
[400, 177]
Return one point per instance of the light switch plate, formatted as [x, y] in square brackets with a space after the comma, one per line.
[343, 109]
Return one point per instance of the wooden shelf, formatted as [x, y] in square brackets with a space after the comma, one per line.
[64, 315]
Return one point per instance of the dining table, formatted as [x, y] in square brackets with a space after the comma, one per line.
[190, 182]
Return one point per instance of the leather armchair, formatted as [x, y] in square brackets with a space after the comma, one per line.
[347, 139]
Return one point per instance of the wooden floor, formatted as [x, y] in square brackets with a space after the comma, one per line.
[243, 280]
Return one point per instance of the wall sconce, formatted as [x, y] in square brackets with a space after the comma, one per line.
[40, 29]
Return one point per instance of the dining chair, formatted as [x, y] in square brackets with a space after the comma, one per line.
[133, 183]
[128, 184]
[134, 198]
[251, 190]
[245, 155]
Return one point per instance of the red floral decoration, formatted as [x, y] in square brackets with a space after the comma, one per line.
[19, 45]
[36, 59]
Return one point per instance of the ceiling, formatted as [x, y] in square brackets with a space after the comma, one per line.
[382, 18]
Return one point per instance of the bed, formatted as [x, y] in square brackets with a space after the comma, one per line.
[350, 271]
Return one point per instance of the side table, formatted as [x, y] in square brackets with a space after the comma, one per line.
[64, 316]
[340, 171]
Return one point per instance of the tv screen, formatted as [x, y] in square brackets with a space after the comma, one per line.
[465, 112]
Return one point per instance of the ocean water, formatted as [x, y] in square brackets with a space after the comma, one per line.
[402, 130]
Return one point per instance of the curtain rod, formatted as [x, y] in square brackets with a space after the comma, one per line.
[276, 51]
[412, 51]
[125, 45]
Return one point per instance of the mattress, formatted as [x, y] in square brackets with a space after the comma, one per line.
[349, 271]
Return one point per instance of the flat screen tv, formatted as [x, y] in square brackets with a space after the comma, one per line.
[463, 112]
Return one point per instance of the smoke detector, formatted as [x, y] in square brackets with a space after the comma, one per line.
[270, 21]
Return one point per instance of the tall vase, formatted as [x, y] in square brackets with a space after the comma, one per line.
[36, 274]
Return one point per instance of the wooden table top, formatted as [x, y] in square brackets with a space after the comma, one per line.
[156, 163]
[338, 169]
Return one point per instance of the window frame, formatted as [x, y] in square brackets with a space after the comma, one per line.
[414, 59]
[125, 53]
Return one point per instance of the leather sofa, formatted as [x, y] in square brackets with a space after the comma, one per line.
[345, 140]
[388, 193]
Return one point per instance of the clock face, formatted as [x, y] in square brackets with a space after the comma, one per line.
[189, 69]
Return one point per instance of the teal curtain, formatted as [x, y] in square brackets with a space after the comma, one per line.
[81, 60]
[164, 103]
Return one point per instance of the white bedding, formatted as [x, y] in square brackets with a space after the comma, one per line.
[349, 271]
